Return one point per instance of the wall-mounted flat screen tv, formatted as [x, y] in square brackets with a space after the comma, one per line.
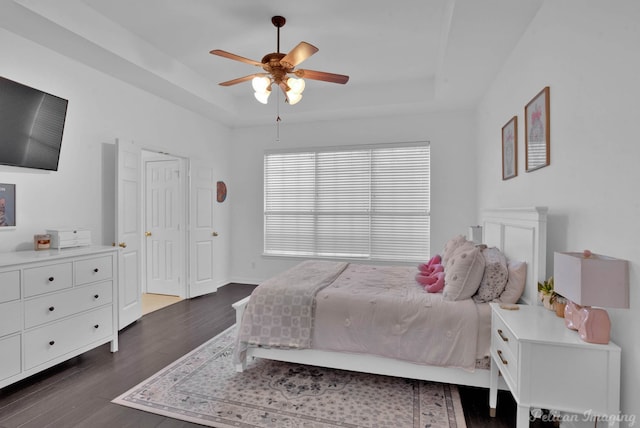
[31, 126]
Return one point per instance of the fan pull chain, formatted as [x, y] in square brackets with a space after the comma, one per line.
[278, 119]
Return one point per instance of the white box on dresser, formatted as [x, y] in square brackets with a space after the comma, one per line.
[546, 365]
[54, 305]
[66, 238]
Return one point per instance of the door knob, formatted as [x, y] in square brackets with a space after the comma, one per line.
[122, 245]
[147, 234]
[214, 234]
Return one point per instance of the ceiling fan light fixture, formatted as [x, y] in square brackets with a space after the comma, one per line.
[293, 98]
[261, 83]
[278, 66]
[263, 97]
[295, 85]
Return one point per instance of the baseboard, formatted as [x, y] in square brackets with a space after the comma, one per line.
[246, 280]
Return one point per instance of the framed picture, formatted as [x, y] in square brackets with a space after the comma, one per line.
[7, 206]
[510, 149]
[536, 131]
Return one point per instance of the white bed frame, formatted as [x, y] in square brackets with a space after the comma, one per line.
[521, 233]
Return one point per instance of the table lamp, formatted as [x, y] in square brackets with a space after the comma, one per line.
[585, 280]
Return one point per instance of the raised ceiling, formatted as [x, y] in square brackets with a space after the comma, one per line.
[402, 57]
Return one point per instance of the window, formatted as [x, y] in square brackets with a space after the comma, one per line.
[366, 202]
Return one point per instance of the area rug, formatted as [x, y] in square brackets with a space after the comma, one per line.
[203, 387]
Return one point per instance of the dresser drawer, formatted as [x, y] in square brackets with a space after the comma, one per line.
[53, 340]
[9, 356]
[10, 317]
[9, 286]
[93, 270]
[52, 307]
[45, 279]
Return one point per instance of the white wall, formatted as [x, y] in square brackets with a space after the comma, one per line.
[100, 110]
[587, 53]
[452, 175]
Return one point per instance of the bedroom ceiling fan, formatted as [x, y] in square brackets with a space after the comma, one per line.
[280, 69]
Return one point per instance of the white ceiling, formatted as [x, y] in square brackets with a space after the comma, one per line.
[405, 56]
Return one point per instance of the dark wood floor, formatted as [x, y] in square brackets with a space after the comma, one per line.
[78, 393]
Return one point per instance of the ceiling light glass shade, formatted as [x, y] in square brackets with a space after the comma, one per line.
[260, 83]
[293, 97]
[295, 85]
[263, 97]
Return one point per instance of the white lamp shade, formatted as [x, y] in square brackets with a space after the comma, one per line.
[295, 85]
[293, 97]
[260, 83]
[263, 97]
[592, 281]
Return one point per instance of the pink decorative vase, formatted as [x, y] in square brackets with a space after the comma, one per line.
[596, 325]
[572, 316]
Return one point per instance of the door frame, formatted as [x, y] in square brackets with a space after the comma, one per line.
[150, 154]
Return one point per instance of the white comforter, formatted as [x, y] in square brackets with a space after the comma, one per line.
[380, 310]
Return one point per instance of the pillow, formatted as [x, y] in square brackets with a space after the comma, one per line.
[494, 278]
[463, 273]
[515, 283]
[451, 246]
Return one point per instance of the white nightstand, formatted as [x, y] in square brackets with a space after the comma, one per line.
[548, 366]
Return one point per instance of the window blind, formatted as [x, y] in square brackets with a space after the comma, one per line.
[365, 202]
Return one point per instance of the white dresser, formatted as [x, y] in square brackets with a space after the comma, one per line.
[54, 305]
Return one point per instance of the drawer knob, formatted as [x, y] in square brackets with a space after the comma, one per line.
[95, 296]
[51, 279]
[96, 270]
[51, 309]
[52, 342]
[506, 339]
[505, 362]
[96, 326]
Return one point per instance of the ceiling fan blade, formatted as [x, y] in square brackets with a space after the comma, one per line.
[298, 54]
[238, 80]
[229, 55]
[321, 75]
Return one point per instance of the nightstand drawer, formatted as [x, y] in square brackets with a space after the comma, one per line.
[503, 335]
[505, 350]
[506, 360]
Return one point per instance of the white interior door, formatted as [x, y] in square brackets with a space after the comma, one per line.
[202, 228]
[163, 227]
[128, 232]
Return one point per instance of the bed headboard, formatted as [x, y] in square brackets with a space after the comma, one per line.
[521, 234]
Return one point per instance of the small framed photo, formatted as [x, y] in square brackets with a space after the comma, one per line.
[7, 206]
[536, 131]
[510, 149]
